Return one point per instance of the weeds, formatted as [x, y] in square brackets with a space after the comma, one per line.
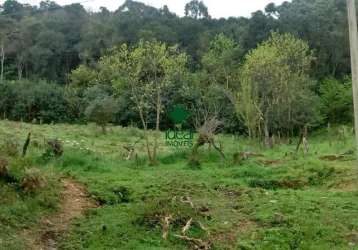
[33, 180]
[10, 147]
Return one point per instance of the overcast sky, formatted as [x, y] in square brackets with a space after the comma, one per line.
[217, 8]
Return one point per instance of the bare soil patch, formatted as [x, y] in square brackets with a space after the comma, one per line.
[75, 201]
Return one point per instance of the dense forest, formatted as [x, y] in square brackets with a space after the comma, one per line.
[279, 70]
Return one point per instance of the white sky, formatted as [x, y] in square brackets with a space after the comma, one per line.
[217, 8]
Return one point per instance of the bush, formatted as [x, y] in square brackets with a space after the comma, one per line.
[4, 171]
[337, 100]
[33, 180]
[95, 92]
[7, 100]
[10, 146]
[101, 111]
[34, 101]
[54, 148]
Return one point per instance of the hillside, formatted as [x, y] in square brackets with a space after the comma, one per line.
[274, 199]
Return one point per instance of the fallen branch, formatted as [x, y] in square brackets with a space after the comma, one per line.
[187, 226]
[212, 142]
[199, 243]
[247, 155]
[166, 224]
[131, 149]
[269, 162]
[204, 228]
[186, 199]
[332, 157]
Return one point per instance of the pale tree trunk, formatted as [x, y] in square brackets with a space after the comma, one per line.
[19, 71]
[305, 141]
[138, 101]
[145, 134]
[2, 60]
[227, 80]
[353, 37]
[20, 66]
[267, 136]
[157, 124]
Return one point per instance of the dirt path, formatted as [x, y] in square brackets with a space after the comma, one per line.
[75, 200]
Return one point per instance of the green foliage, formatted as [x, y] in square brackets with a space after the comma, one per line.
[94, 92]
[50, 41]
[34, 101]
[337, 101]
[275, 94]
[101, 111]
[33, 180]
[196, 9]
[67, 44]
[10, 146]
[83, 76]
[220, 63]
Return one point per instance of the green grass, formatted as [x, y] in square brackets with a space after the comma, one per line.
[296, 203]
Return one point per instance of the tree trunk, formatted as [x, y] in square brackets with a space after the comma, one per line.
[157, 125]
[218, 149]
[268, 143]
[104, 131]
[353, 37]
[20, 68]
[2, 60]
[146, 135]
[305, 146]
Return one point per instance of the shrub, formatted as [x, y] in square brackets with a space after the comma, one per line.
[34, 101]
[10, 146]
[33, 180]
[337, 101]
[54, 148]
[4, 171]
[101, 111]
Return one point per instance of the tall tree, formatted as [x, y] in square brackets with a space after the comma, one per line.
[7, 32]
[196, 9]
[220, 62]
[275, 95]
[322, 23]
[148, 71]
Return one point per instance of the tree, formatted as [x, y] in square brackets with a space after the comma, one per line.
[36, 101]
[83, 76]
[220, 62]
[323, 24]
[336, 100]
[196, 9]
[275, 95]
[271, 9]
[148, 70]
[6, 35]
[13, 9]
[22, 41]
[101, 111]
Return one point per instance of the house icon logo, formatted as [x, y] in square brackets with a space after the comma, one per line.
[178, 137]
[178, 114]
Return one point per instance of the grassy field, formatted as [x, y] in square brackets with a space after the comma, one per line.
[280, 200]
